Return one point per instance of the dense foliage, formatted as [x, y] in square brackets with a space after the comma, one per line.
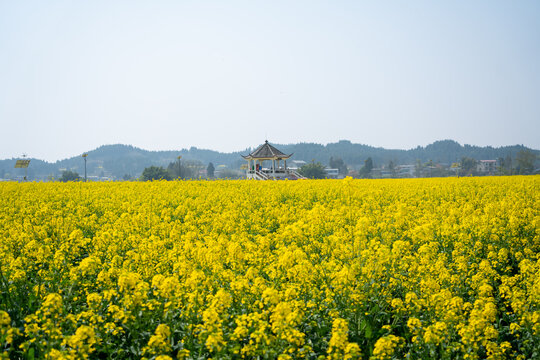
[334, 269]
[313, 171]
[69, 176]
[155, 173]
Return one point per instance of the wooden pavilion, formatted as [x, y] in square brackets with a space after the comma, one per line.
[268, 163]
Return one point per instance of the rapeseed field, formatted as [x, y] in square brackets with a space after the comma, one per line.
[329, 269]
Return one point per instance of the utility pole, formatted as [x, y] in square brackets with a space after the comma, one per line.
[84, 156]
[25, 169]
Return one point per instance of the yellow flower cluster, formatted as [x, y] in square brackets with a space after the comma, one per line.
[330, 269]
[339, 346]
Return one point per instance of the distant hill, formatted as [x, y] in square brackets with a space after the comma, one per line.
[444, 151]
[116, 161]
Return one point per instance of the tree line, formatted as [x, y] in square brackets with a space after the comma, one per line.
[128, 162]
[523, 164]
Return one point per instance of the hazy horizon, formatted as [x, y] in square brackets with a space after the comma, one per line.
[226, 76]
[252, 147]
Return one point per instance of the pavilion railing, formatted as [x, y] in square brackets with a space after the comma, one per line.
[261, 175]
[293, 172]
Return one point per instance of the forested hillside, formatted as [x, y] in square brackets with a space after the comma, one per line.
[126, 161]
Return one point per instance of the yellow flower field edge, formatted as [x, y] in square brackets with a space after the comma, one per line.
[330, 269]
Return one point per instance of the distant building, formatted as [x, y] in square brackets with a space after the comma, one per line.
[296, 164]
[406, 171]
[219, 169]
[332, 173]
[385, 173]
[376, 173]
[486, 166]
[400, 171]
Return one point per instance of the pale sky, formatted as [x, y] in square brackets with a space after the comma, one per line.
[226, 75]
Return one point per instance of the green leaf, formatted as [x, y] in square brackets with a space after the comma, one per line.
[366, 326]
[30, 354]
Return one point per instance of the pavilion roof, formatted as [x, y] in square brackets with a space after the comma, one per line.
[266, 151]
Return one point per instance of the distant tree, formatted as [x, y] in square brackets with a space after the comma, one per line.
[177, 170]
[509, 169]
[127, 177]
[337, 163]
[392, 168]
[368, 164]
[468, 166]
[440, 171]
[505, 165]
[193, 169]
[155, 173]
[210, 170]
[365, 171]
[184, 169]
[313, 171]
[418, 168]
[430, 166]
[69, 175]
[525, 162]
[500, 168]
